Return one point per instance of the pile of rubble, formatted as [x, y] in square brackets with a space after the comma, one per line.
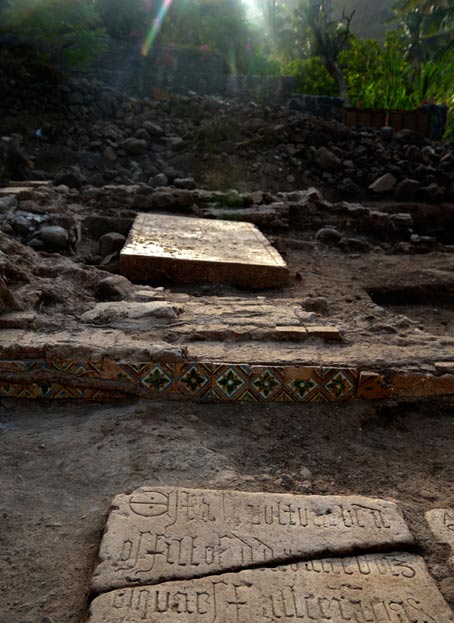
[170, 142]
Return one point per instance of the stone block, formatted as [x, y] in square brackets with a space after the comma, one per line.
[190, 250]
[417, 385]
[441, 523]
[21, 193]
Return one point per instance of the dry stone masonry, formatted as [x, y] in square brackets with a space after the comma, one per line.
[237, 557]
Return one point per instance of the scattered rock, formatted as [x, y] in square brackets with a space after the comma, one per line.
[326, 159]
[134, 146]
[317, 304]
[384, 184]
[188, 183]
[8, 203]
[54, 237]
[70, 180]
[328, 235]
[407, 189]
[159, 180]
[114, 288]
[111, 243]
[153, 129]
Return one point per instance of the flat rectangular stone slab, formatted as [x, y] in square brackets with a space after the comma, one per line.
[441, 523]
[21, 193]
[389, 588]
[159, 534]
[192, 250]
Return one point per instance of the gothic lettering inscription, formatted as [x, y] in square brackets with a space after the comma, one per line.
[375, 588]
[441, 523]
[159, 534]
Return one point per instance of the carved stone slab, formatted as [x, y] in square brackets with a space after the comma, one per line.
[441, 522]
[159, 534]
[192, 250]
[389, 588]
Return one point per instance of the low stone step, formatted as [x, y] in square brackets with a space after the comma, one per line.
[191, 250]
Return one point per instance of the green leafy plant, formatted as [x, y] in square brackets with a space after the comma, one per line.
[67, 31]
[311, 76]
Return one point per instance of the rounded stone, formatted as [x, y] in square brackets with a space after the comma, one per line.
[111, 242]
[54, 237]
[328, 235]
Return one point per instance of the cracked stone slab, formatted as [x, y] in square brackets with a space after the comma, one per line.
[441, 523]
[375, 588]
[192, 250]
[157, 534]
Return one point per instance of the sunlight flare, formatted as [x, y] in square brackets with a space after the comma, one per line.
[156, 27]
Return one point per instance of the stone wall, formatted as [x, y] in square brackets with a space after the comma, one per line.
[318, 105]
[179, 70]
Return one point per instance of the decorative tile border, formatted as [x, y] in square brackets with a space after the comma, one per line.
[99, 380]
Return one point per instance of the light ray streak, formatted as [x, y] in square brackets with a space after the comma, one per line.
[156, 27]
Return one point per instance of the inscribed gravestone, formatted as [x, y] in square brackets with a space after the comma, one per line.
[158, 534]
[376, 588]
[441, 522]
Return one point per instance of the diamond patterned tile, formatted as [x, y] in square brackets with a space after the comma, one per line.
[133, 372]
[339, 384]
[159, 379]
[219, 381]
[303, 382]
[267, 383]
[193, 379]
[230, 381]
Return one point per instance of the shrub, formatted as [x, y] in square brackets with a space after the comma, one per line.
[311, 76]
[63, 31]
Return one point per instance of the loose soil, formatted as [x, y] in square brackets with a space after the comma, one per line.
[62, 464]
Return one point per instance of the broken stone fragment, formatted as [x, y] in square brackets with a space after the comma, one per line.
[384, 184]
[114, 288]
[441, 523]
[104, 313]
[111, 242]
[327, 160]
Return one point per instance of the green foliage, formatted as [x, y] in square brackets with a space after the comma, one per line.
[379, 77]
[426, 28]
[59, 30]
[361, 64]
[311, 77]
[213, 25]
[215, 130]
[263, 63]
[125, 19]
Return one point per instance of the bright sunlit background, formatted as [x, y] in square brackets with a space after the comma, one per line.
[253, 8]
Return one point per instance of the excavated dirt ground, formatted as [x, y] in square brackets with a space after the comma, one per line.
[61, 465]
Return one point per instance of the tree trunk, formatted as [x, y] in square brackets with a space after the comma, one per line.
[339, 77]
